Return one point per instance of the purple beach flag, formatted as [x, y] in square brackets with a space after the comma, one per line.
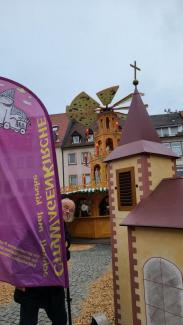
[32, 246]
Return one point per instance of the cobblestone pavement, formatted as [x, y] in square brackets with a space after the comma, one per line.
[86, 266]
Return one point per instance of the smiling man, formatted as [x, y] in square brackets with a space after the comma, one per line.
[68, 208]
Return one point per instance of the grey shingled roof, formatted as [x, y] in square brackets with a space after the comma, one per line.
[163, 120]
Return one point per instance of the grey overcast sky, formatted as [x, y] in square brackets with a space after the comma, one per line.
[58, 48]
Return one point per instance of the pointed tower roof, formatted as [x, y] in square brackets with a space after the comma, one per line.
[138, 125]
[139, 135]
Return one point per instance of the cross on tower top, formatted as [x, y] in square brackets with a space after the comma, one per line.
[135, 81]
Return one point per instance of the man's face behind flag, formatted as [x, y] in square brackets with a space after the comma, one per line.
[68, 208]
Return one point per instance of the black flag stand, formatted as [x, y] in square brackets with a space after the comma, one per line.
[69, 299]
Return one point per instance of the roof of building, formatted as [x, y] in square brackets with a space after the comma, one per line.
[139, 134]
[163, 120]
[170, 119]
[143, 147]
[61, 120]
[161, 208]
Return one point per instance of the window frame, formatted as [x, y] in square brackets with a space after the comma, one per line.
[165, 131]
[72, 163]
[74, 137]
[76, 177]
[82, 157]
[172, 128]
[55, 129]
[178, 145]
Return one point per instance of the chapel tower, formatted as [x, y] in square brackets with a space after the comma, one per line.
[135, 168]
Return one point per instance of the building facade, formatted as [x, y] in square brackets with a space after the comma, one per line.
[170, 129]
[74, 148]
[60, 124]
[77, 149]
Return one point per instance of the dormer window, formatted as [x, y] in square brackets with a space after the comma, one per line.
[55, 132]
[76, 138]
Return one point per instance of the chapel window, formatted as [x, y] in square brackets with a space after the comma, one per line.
[163, 292]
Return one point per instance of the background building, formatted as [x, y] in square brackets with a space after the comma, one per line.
[170, 129]
[60, 123]
[77, 148]
[74, 147]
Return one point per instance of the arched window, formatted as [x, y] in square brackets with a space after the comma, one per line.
[97, 176]
[100, 147]
[163, 292]
[109, 145]
[107, 123]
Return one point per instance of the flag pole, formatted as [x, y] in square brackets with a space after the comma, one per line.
[69, 299]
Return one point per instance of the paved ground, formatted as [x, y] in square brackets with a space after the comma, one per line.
[86, 267]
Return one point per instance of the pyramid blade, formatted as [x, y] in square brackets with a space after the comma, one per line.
[83, 101]
[82, 109]
[124, 107]
[125, 99]
[86, 116]
[106, 95]
[88, 119]
[69, 113]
